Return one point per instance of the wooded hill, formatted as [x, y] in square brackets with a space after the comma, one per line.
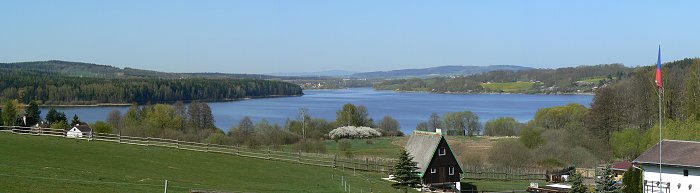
[59, 82]
[567, 80]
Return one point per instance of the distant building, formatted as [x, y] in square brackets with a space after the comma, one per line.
[618, 169]
[79, 131]
[680, 167]
[437, 165]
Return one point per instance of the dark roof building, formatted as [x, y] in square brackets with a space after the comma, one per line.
[436, 162]
[84, 128]
[675, 153]
[677, 172]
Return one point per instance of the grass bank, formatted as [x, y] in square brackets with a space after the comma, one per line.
[41, 164]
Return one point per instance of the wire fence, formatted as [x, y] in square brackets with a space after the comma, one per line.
[368, 164]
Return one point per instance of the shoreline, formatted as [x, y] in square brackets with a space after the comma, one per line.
[465, 93]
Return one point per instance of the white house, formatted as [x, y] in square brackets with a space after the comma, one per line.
[79, 131]
[680, 167]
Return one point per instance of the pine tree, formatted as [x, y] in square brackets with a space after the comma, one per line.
[75, 120]
[577, 185]
[405, 172]
[33, 113]
[52, 115]
[605, 183]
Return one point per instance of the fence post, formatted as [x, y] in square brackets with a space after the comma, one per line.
[238, 150]
[148, 139]
[299, 156]
[206, 147]
[177, 143]
[120, 136]
[335, 159]
[366, 164]
[268, 153]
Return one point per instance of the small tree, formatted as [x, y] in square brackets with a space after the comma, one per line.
[405, 172]
[75, 120]
[605, 183]
[631, 182]
[33, 114]
[577, 185]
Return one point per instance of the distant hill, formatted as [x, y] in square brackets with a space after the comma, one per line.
[81, 69]
[327, 73]
[439, 71]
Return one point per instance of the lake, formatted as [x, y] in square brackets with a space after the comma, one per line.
[409, 108]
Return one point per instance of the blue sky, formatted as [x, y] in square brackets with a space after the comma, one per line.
[260, 36]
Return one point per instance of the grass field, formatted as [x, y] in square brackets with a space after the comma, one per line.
[512, 87]
[52, 164]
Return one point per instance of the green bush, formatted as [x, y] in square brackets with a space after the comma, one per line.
[310, 146]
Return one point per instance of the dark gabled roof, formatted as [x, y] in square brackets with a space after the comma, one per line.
[83, 128]
[674, 153]
[422, 147]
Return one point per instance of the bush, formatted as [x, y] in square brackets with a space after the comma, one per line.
[310, 146]
[369, 141]
[101, 127]
[509, 153]
[353, 132]
[502, 126]
[344, 144]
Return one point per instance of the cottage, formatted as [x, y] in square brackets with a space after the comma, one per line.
[79, 131]
[437, 165]
[680, 167]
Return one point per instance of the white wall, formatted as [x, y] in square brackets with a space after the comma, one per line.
[74, 133]
[674, 175]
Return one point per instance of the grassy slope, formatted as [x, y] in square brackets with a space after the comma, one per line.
[510, 86]
[27, 160]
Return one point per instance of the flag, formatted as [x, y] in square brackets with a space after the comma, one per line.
[658, 70]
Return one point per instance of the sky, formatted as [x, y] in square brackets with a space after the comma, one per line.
[261, 36]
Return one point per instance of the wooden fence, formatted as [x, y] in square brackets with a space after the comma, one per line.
[496, 173]
[369, 164]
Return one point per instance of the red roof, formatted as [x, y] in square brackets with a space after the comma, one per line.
[621, 165]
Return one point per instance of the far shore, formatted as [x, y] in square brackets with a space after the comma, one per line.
[129, 104]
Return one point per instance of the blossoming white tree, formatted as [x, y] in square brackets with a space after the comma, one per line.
[353, 132]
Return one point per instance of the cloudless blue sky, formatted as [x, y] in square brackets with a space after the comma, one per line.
[260, 36]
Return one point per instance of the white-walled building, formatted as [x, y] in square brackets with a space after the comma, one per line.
[680, 167]
[79, 131]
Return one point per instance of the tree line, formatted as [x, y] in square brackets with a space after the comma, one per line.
[56, 89]
[565, 80]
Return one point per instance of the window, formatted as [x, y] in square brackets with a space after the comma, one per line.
[433, 170]
[452, 171]
[685, 172]
[442, 151]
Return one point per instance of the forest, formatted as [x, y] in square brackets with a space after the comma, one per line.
[560, 80]
[53, 88]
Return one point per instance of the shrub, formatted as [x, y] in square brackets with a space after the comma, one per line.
[369, 141]
[344, 144]
[101, 127]
[310, 146]
[509, 153]
[353, 132]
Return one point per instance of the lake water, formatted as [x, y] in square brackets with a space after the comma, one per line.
[406, 107]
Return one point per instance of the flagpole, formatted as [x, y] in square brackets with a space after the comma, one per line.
[660, 93]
